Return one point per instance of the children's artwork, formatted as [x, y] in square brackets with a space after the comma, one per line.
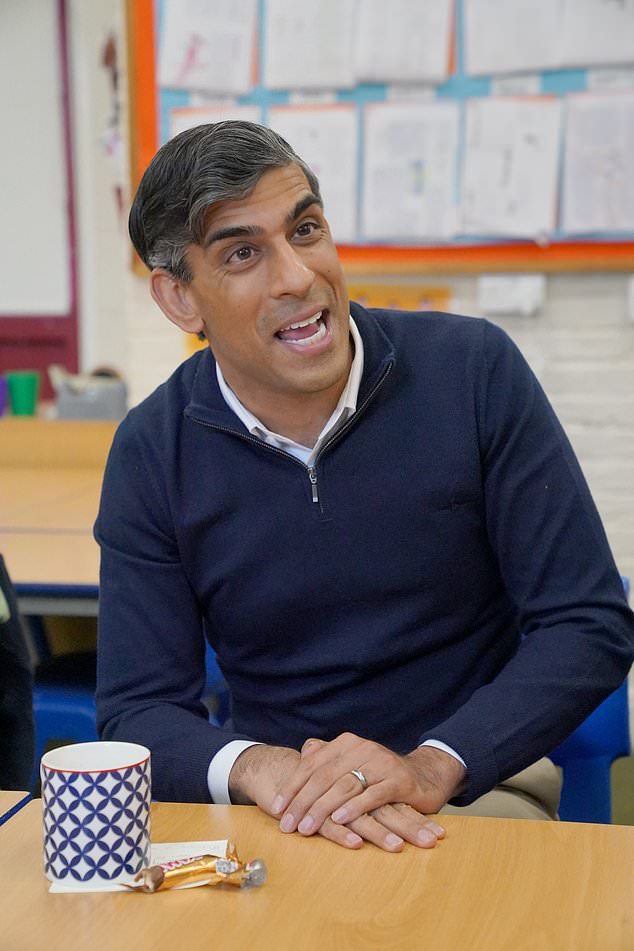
[598, 188]
[410, 159]
[326, 138]
[208, 46]
[509, 183]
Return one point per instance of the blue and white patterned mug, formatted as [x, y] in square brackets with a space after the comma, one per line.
[96, 809]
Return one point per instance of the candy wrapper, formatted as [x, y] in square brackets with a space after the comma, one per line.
[201, 870]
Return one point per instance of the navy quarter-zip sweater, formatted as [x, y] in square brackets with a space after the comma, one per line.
[451, 516]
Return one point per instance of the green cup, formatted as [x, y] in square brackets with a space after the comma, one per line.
[23, 386]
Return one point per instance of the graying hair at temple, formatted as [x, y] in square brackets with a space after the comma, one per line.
[199, 167]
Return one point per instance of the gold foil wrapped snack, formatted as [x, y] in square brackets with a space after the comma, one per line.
[204, 870]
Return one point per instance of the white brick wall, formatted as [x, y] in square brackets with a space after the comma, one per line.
[582, 349]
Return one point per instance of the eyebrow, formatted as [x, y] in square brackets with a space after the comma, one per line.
[251, 231]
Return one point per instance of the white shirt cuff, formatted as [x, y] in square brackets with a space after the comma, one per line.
[439, 745]
[220, 768]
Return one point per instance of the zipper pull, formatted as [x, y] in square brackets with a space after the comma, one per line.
[312, 475]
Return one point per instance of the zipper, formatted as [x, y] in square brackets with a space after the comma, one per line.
[310, 470]
[312, 475]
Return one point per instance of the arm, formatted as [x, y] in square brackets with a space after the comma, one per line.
[556, 565]
[389, 813]
[151, 667]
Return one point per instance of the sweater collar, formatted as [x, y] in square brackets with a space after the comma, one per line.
[208, 405]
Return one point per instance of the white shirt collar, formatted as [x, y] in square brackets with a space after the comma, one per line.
[345, 407]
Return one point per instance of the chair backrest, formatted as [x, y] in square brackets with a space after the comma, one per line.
[16, 693]
[587, 755]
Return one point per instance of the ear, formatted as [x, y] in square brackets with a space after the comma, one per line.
[175, 301]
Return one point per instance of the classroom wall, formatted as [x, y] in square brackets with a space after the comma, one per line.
[103, 255]
[581, 346]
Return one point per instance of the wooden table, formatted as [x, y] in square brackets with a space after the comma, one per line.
[492, 885]
[50, 481]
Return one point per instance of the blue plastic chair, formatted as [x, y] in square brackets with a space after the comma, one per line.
[586, 757]
[64, 703]
[216, 696]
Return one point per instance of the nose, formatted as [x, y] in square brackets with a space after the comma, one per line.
[289, 275]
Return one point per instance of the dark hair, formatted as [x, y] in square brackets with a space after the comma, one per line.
[197, 168]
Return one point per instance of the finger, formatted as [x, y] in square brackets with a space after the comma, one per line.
[341, 835]
[316, 772]
[374, 831]
[311, 745]
[409, 824]
[376, 795]
[309, 814]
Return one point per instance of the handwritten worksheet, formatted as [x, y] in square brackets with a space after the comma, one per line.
[597, 32]
[511, 36]
[309, 45]
[326, 138]
[509, 184]
[187, 117]
[410, 171]
[208, 46]
[598, 190]
[405, 41]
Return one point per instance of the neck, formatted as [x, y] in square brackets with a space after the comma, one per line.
[300, 418]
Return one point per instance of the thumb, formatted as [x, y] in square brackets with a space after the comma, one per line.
[311, 745]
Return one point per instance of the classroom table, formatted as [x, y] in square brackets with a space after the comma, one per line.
[11, 802]
[491, 885]
[50, 480]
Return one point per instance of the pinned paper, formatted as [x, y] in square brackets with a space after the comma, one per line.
[410, 170]
[521, 294]
[598, 192]
[208, 46]
[187, 117]
[326, 138]
[630, 298]
[410, 43]
[510, 167]
[309, 45]
[512, 37]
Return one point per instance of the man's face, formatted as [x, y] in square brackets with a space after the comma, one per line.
[269, 289]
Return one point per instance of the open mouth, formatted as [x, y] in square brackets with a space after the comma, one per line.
[305, 333]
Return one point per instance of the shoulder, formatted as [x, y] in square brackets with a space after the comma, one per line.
[436, 339]
[427, 328]
[156, 419]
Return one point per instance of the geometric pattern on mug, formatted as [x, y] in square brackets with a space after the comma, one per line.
[96, 824]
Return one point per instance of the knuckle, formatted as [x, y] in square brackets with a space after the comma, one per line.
[350, 785]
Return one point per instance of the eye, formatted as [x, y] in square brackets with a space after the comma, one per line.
[244, 253]
[306, 229]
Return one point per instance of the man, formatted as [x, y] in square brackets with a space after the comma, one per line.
[374, 518]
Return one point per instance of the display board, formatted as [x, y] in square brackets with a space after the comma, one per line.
[433, 153]
[38, 277]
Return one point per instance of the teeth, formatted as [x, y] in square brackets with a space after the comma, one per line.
[307, 341]
[305, 323]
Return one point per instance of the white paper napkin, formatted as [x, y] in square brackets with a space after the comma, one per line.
[160, 852]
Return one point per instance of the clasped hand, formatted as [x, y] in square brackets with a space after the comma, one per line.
[316, 792]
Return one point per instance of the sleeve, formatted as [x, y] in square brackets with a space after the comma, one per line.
[151, 647]
[556, 565]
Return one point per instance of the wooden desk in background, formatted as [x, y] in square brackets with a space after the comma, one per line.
[491, 885]
[50, 479]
